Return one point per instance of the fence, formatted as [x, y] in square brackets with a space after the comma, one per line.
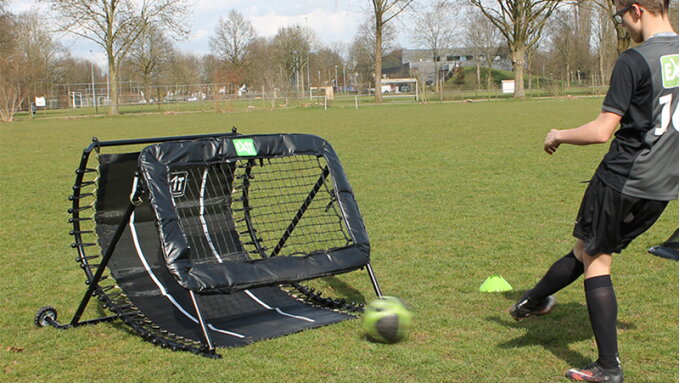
[83, 99]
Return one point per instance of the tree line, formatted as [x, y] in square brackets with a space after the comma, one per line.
[566, 40]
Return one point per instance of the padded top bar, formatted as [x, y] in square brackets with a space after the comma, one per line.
[155, 163]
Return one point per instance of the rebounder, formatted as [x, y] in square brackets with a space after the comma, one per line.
[208, 237]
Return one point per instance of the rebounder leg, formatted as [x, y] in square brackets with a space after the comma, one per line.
[94, 282]
[374, 281]
[208, 340]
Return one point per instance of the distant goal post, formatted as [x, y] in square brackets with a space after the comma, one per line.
[404, 88]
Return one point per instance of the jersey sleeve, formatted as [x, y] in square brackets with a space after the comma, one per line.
[621, 87]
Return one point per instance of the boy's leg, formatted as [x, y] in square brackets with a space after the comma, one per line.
[602, 310]
[539, 300]
[560, 275]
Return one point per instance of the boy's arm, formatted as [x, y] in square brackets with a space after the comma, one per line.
[598, 131]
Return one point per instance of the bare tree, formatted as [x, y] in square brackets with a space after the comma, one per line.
[116, 24]
[11, 63]
[362, 52]
[483, 39]
[384, 11]
[435, 30]
[361, 57]
[210, 65]
[149, 56]
[182, 70]
[232, 37]
[521, 23]
[6, 28]
[40, 47]
[29, 61]
[563, 39]
[622, 37]
[606, 43]
[293, 46]
[263, 71]
[674, 14]
[569, 43]
[324, 63]
[76, 70]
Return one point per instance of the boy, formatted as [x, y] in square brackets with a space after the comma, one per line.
[633, 183]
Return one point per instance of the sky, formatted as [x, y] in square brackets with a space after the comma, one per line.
[333, 21]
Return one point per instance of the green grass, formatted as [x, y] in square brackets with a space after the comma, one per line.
[450, 193]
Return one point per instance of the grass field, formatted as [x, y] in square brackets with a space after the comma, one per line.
[450, 193]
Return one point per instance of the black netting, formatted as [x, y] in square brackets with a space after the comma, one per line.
[202, 196]
[276, 206]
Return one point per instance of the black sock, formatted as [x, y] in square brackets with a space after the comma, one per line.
[602, 309]
[560, 275]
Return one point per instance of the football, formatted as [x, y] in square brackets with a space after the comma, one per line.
[387, 320]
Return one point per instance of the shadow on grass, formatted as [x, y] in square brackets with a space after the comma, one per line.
[349, 293]
[568, 323]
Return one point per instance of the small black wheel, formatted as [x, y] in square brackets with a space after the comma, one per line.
[46, 316]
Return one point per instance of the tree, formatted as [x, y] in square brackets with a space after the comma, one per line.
[674, 14]
[11, 63]
[263, 71]
[483, 40]
[324, 63]
[6, 28]
[362, 52]
[74, 70]
[521, 23]
[233, 35]
[384, 11]
[149, 56]
[622, 37]
[435, 31]
[292, 48]
[29, 61]
[570, 35]
[605, 43]
[115, 25]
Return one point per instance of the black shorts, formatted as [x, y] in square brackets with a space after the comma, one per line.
[608, 220]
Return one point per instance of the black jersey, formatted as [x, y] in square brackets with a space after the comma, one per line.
[643, 157]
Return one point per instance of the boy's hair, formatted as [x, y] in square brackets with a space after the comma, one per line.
[654, 6]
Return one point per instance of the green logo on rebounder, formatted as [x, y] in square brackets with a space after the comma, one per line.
[670, 71]
[245, 147]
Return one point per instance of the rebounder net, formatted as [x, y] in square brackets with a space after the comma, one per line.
[235, 229]
[286, 202]
[227, 221]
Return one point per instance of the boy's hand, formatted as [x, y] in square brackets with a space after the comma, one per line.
[551, 141]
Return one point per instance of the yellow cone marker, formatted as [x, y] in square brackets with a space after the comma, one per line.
[495, 284]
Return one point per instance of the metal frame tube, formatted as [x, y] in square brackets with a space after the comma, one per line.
[94, 281]
[208, 340]
[374, 281]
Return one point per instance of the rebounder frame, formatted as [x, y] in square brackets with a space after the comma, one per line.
[95, 272]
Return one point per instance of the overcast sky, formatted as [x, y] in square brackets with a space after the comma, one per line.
[332, 21]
